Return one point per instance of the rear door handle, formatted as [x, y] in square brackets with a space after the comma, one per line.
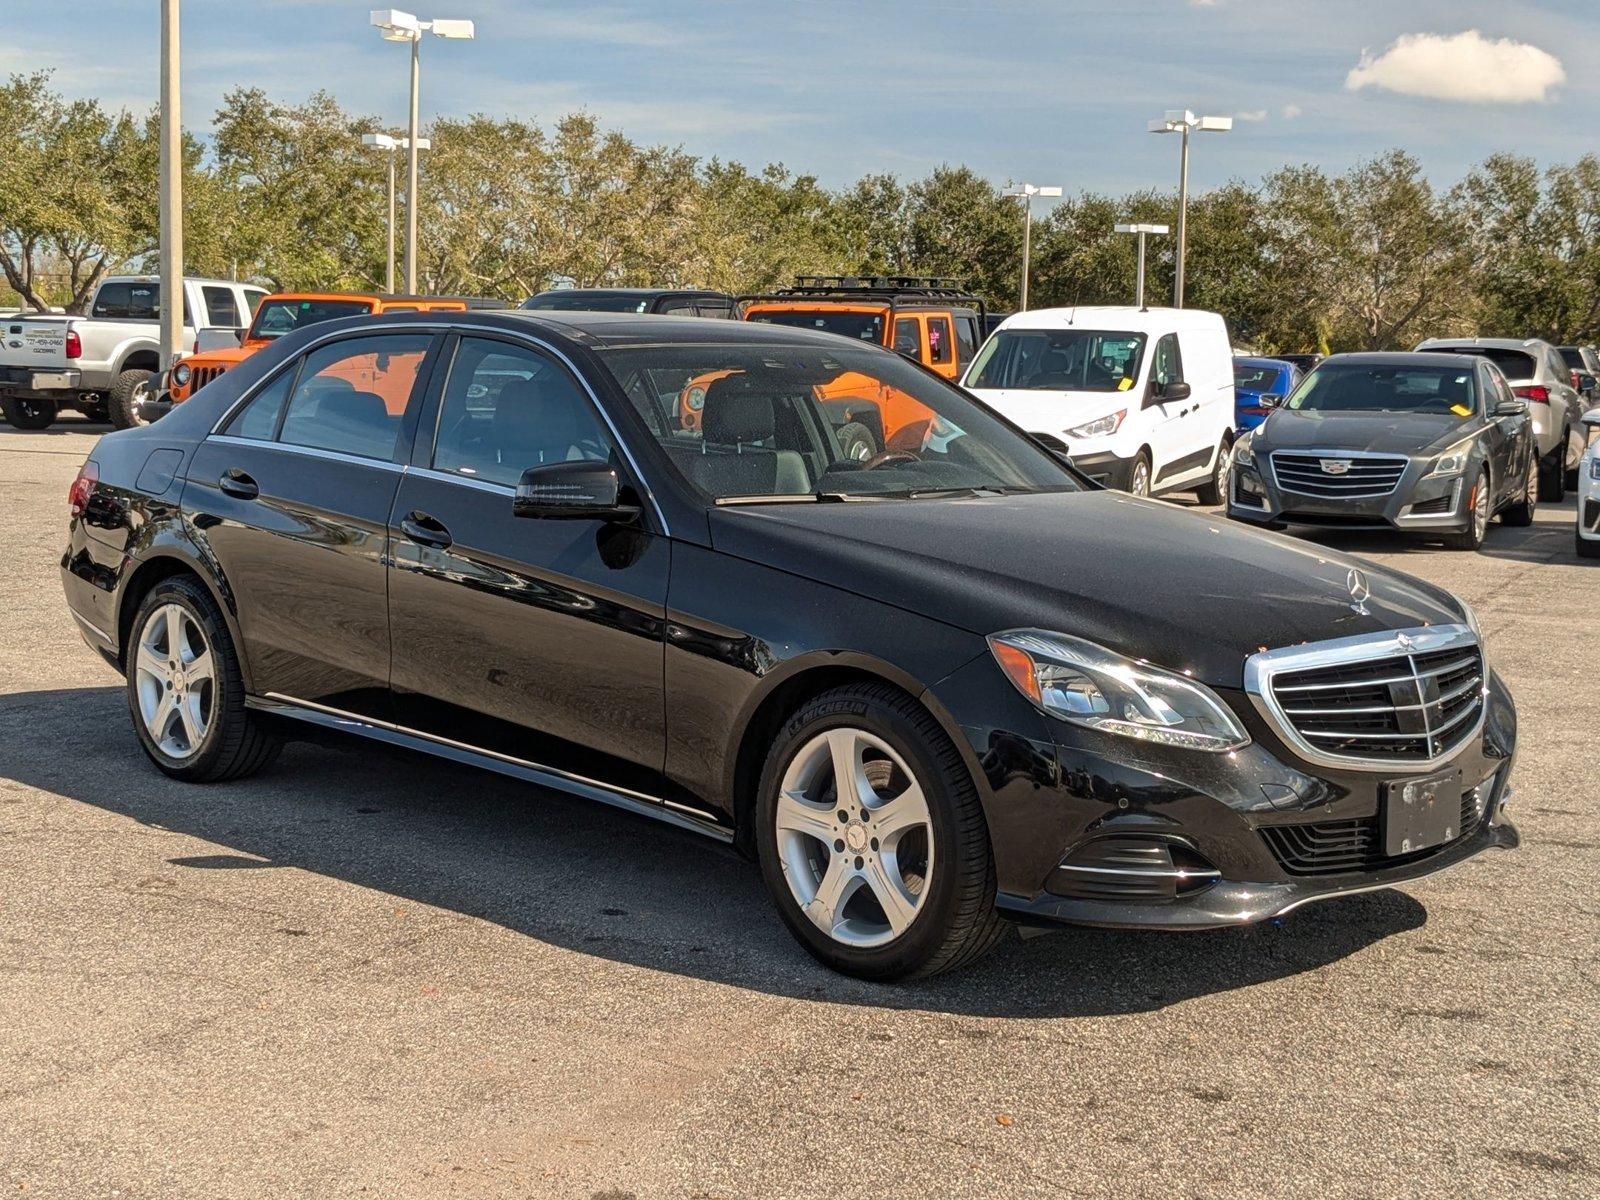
[238, 484]
[424, 530]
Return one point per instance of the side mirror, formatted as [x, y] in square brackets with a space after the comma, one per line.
[1173, 392]
[1271, 401]
[1510, 408]
[217, 337]
[574, 491]
[1586, 381]
[1592, 418]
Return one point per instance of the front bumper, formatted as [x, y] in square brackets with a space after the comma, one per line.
[34, 381]
[154, 408]
[1108, 469]
[1418, 503]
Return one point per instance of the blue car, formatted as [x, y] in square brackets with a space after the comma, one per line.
[1254, 378]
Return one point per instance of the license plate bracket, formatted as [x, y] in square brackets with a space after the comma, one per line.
[1421, 813]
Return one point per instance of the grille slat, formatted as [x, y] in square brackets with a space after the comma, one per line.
[1347, 847]
[1364, 478]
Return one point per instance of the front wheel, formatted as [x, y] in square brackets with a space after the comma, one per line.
[1478, 510]
[872, 838]
[122, 404]
[27, 413]
[1553, 488]
[1215, 490]
[1139, 475]
[1519, 514]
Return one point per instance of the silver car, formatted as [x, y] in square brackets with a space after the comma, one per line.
[1537, 373]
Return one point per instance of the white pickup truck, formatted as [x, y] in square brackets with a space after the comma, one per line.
[101, 364]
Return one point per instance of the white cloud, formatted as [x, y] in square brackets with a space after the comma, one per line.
[1464, 66]
[1291, 111]
[1251, 114]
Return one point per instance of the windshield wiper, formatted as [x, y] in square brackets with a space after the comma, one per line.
[804, 498]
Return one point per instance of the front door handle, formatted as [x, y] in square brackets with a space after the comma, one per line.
[238, 484]
[424, 530]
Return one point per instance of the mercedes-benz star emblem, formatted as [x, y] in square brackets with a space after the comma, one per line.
[1360, 593]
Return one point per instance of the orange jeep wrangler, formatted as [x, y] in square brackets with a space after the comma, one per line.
[935, 322]
[284, 312]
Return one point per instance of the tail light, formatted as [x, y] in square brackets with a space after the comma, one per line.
[74, 344]
[82, 488]
[1533, 391]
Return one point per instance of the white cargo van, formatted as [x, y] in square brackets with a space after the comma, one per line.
[1143, 398]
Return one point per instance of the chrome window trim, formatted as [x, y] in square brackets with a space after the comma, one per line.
[1309, 452]
[383, 464]
[482, 485]
[514, 335]
[1261, 668]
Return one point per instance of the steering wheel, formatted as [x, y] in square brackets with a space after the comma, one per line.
[885, 457]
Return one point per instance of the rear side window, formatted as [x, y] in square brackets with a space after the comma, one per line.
[259, 418]
[967, 337]
[351, 394]
[220, 307]
[940, 349]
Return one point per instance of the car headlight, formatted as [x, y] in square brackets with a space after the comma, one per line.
[1100, 426]
[1085, 684]
[180, 374]
[1453, 461]
[1243, 453]
[695, 398]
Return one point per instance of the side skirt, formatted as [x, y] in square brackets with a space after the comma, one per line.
[530, 772]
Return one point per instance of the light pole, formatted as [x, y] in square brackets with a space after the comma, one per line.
[1140, 230]
[170, 191]
[1182, 121]
[1027, 191]
[384, 142]
[397, 26]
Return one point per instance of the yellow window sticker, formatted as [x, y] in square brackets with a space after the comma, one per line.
[1461, 410]
[1124, 384]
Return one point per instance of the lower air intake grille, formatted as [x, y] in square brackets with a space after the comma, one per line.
[1347, 847]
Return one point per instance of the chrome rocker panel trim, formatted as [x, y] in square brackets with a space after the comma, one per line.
[655, 807]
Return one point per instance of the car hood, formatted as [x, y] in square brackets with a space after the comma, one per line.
[1379, 432]
[1187, 591]
[1041, 411]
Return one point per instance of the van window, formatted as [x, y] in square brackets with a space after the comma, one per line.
[1066, 360]
[939, 347]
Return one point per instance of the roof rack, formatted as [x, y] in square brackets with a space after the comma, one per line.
[896, 289]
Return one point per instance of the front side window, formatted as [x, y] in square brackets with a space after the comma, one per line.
[351, 394]
[1068, 360]
[908, 337]
[221, 308]
[1168, 365]
[507, 408]
[1361, 388]
[741, 421]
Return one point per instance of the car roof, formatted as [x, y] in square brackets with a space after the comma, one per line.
[641, 292]
[1121, 317]
[1490, 343]
[1260, 360]
[1393, 358]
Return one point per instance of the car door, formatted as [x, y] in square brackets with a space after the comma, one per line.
[536, 638]
[1163, 417]
[941, 346]
[292, 499]
[1510, 435]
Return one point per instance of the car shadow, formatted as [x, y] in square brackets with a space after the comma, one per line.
[603, 882]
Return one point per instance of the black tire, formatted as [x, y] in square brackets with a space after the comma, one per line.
[235, 743]
[856, 442]
[1140, 460]
[1553, 470]
[1215, 491]
[1471, 538]
[1519, 513]
[957, 922]
[125, 392]
[29, 413]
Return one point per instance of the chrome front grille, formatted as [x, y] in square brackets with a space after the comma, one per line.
[1337, 475]
[1406, 699]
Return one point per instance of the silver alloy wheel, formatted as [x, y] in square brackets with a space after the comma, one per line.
[1224, 470]
[175, 678]
[140, 393]
[855, 837]
[1139, 484]
[1480, 507]
[1531, 484]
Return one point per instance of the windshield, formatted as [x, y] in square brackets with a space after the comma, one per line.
[614, 302]
[1516, 365]
[1255, 379]
[1356, 388]
[863, 326]
[277, 317]
[1064, 360]
[744, 422]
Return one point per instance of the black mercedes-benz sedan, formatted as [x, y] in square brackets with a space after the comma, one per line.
[948, 686]
[1430, 444]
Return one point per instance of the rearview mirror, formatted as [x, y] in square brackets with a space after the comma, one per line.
[575, 491]
[1592, 418]
[217, 337]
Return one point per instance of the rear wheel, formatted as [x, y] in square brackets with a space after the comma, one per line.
[1520, 512]
[872, 838]
[185, 691]
[122, 403]
[27, 413]
[1553, 486]
[1139, 474]
[1215, 490]
[1478, 508]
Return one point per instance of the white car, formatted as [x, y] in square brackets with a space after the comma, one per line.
[1588, 532]
[1142, 398]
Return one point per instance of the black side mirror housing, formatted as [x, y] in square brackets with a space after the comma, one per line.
[582, 491]
[1511, 408]
[1271, 401]
[1168, 393]
[1586, 382]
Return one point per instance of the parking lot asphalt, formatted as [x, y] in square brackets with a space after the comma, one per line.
[366, 973]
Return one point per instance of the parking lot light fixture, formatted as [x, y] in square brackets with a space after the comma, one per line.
[384, 141]
[1182, 121]
[396, 26]
[1140, 230]
[1027, 192]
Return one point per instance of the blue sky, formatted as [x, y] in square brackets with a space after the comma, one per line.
[1051, 91]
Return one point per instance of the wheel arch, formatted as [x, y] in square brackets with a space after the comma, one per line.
[785, 692]
[163, 563]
